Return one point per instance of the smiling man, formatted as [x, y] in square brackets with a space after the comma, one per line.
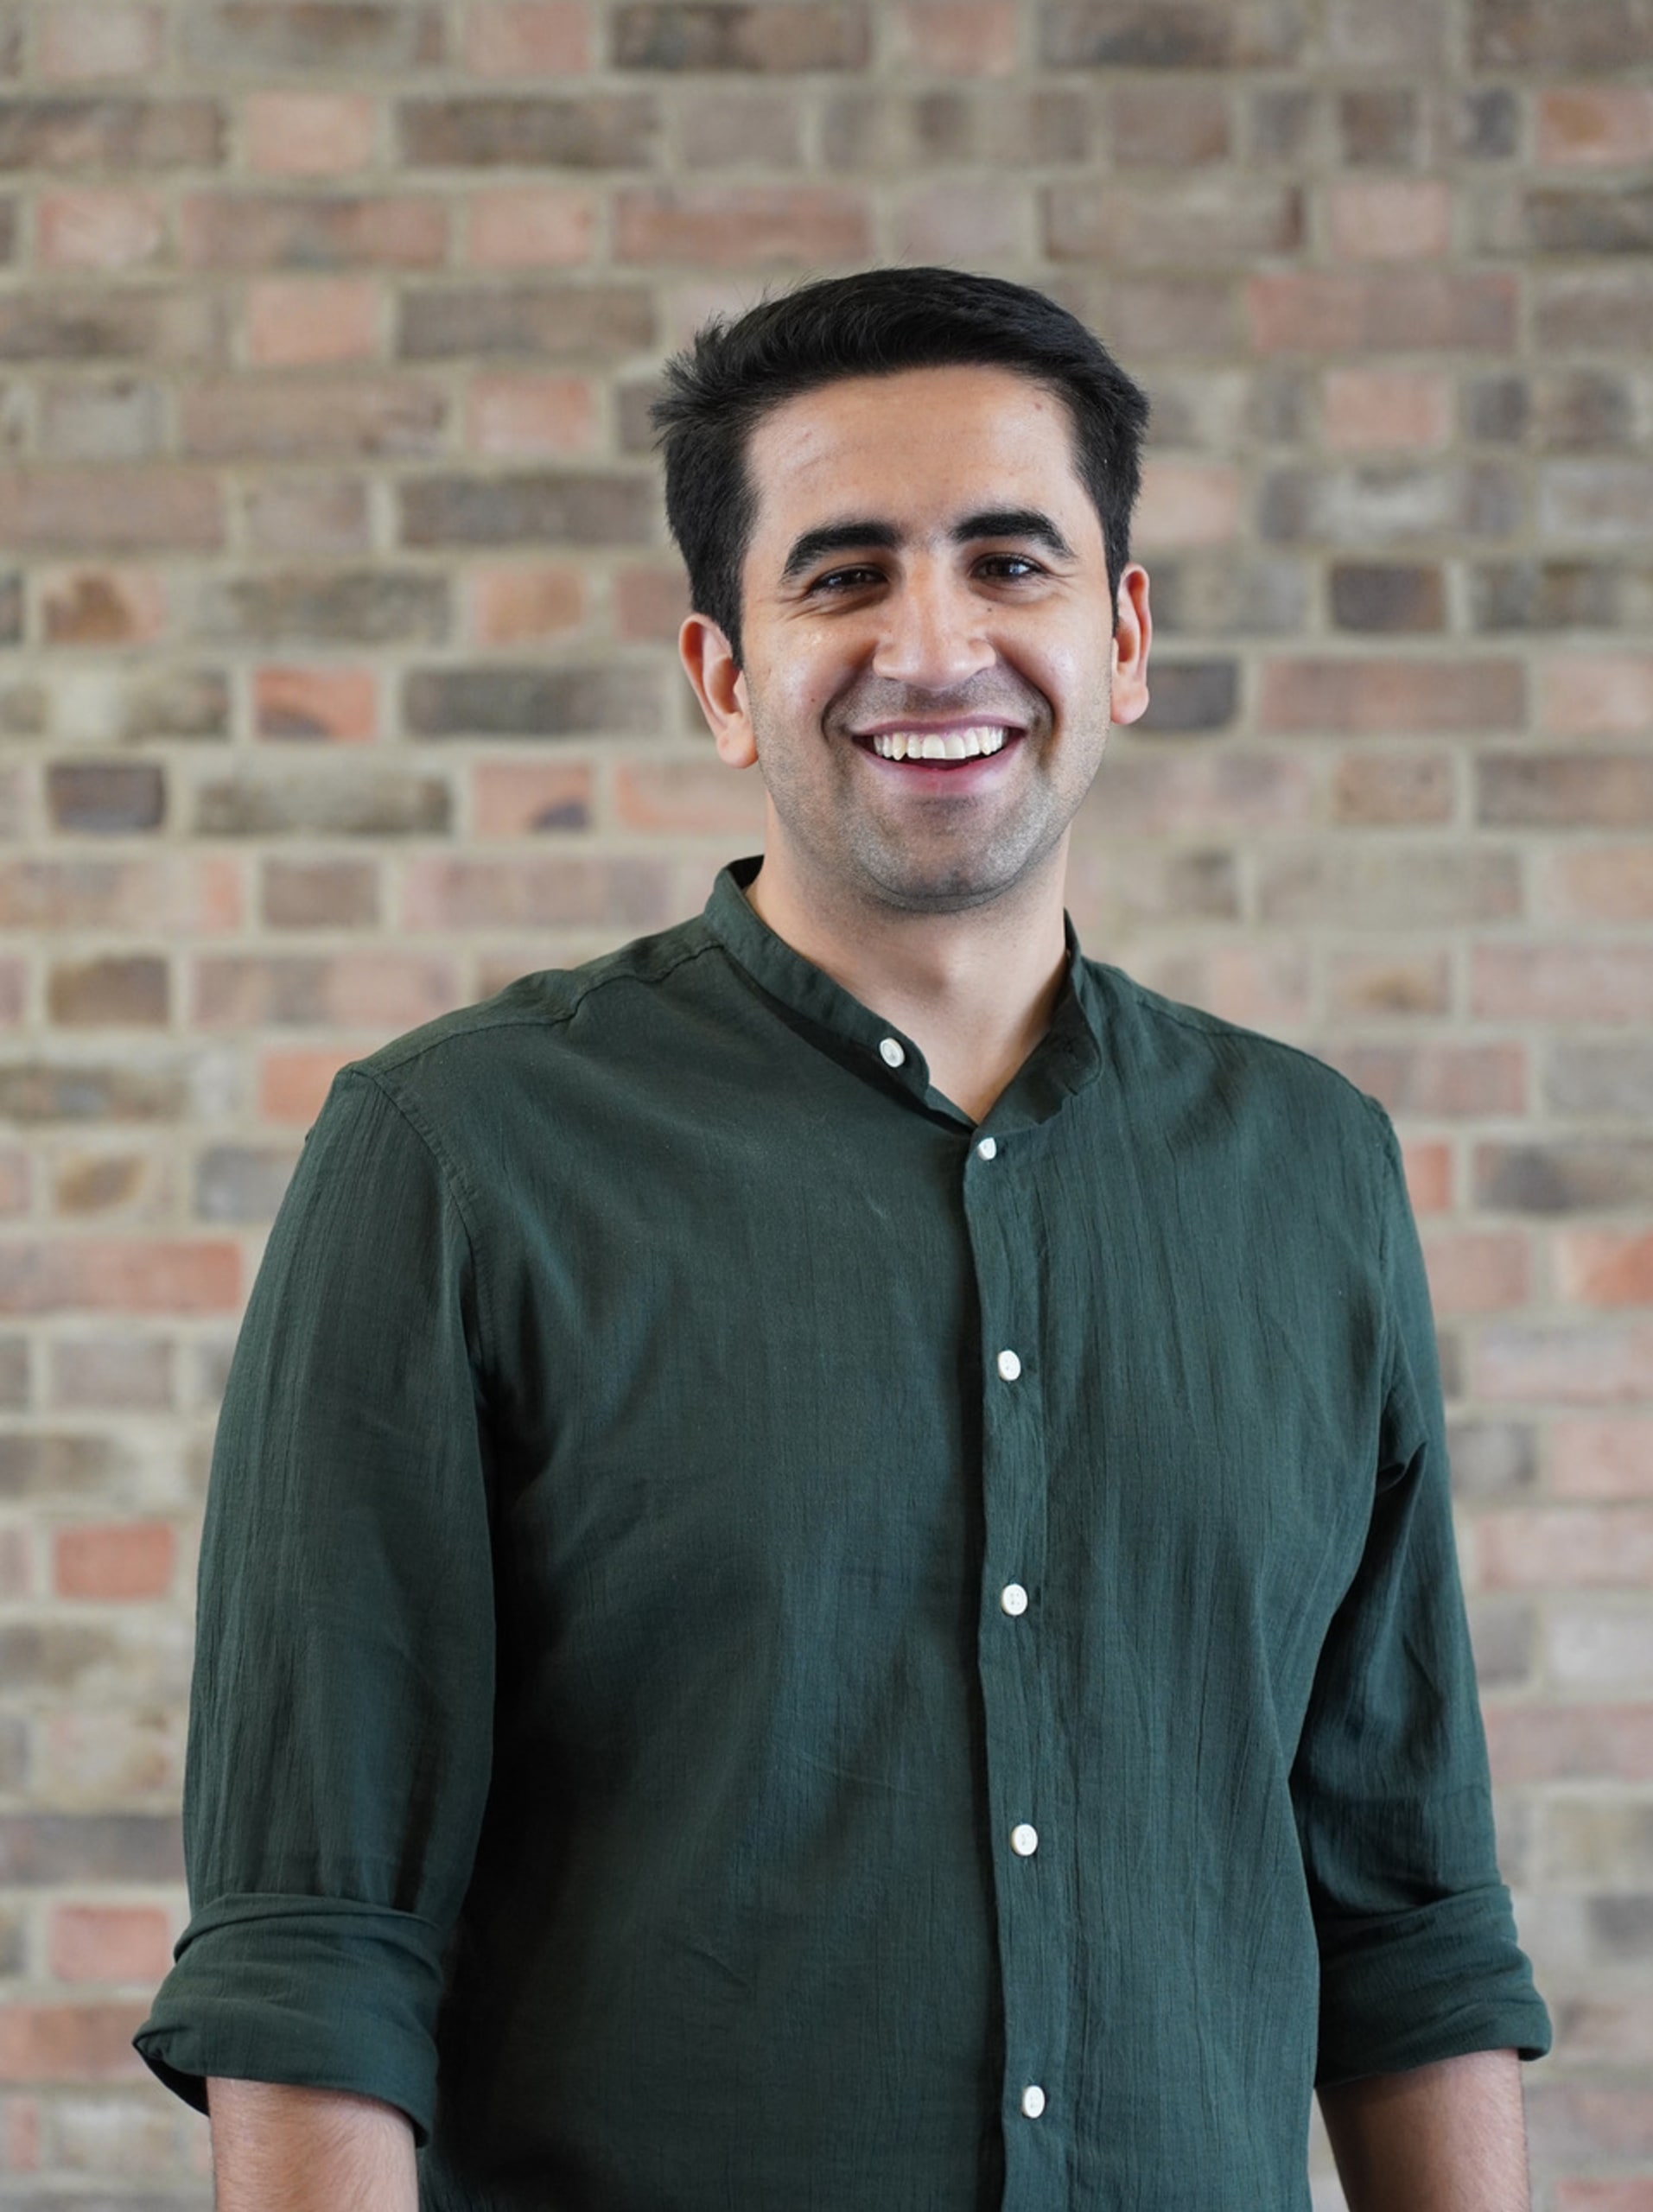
[828, 1578]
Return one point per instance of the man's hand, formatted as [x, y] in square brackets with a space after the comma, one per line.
[281, 2150]
[1445, 2138]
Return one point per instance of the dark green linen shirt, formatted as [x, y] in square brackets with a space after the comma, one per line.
[764, 1648]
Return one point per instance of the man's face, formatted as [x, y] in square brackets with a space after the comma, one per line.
[925, 573]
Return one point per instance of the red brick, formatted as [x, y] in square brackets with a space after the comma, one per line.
[1213, 219]
[100, 38]
[320, 894]
[508, 606]
[106, 1276]
[338, 705]
[518, 798]
[796, 34]
[103, 606]
[382, 990]
[133, 1561]
[1379, 410]
[516, 39]
[742, 226]
[109, 1943]
[1565, 1548]
[224, 230]
[1596, 124]
[1570, 1743]
[525, 415]
[1376, 697]
[1264, 987]
[1478, 1270]
[1429, 1177]
[65, 510]
[1208, 794]
[1595, 502]
[1597, 695]
[961, 218]
[531, 226]
[93, 228]
[319, 418]
[1391, 219]
[299, 321]
[1604, 1457]
[1187, 317]
[103, 1757]
[1387, 311]
[650, 604]
[1439, 1082]
[293, 1083]
[1596, 1363]
[70, 2042]
[16, 1573]
[118, 990]
[1389, 983]
[1602, 791]
[310, 134]
[117, 894]
[1605, 1266]
[291, 515]
[1563, 983]
[1385, 788]
[1188, 503]
[119, 1373]
[1186, 124]
[609, 891]
[960, 38]
[19, 2135]
[688, 798]
[1601, 883]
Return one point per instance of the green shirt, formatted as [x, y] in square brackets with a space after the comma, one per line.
[766, 1647]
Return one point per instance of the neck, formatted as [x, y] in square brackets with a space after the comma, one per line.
[974, 990]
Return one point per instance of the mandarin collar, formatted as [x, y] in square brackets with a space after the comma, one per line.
[1066, 1059]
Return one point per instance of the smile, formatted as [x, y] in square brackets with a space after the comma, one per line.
[939, 745]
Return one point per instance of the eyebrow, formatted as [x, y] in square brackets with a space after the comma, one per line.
[854, 535]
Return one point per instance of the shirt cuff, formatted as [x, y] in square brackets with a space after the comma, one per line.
[1409, 1989]
[317, 1993]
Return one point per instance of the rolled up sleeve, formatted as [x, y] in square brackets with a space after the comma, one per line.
[1419, 1958]
[341, 1713]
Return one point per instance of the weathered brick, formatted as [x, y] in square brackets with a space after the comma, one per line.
[601, 131]
[117, 894]
[1281, 121]
[1230, 595]
[1370, 596]
[1391, 787]
[100, 38]
[1430, 1178]
[1595, 310]
[1575, 1176]
[268, 418]
[34, 1092]
[1564, 983]
[320, 894]
[1599, 1363]
[99, 228]
[519, 604]
[1111, 888]
[269, 229]
[713, 34]
[1389, 502]
[1586, 125]
[1187, 503]
[1391, 219]
[1400, 34]
[1175, 124]
[365, 804]
[1193, 694]
[1570, 1742]
[1597, 694]
[36, 1467]
[487, 701]
[1612, 883]
[1438, 1082]
[129, 1184]
[1384, 311]
[1201, 34]
[1610, 1078]
[1142, 793]
[14, 1374]
[102, 607]
[154, 326]
[175, 703]
[565, 322]
[532, 417]
[292, 514]
[566, 507]
[1215, 220]
[516, 799]
[89, 1759]
[1606, 35]
[242, 1183]
[114, 1560]
[310, 134]
[1484, 123]
[121, 991]
[1604, 791]
[1603, 1457]
[369, 36]
[952, 221]
[106, 797]
[531, 226]
[69, 2043]
[1380, 127]
[123, 420]
[1368, 411]
[528, 38]
[111, 132]
[112, 1374]
[1359, 984]
[337, 704]
[109, 1943]
[737, 128]
[1262, 988]
[349, 607]
[293, 1083]
[739, 225]
[1605, 1266]
[1504, 1635]
[533, 893]
[1376, 698]
[1184, 317]
[107, 1275]
[1366, 888]
[311, 320]
[1493, 1459]
[64, 510]
[1598, 218]
[1529, 596]
[1573, 1547]
[386, 990]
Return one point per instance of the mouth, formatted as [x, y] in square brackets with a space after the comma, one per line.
[943, 748]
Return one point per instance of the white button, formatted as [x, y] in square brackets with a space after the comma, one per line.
[1024, 1840]
[988, 1149]
[1009, 1366]
[892, 1052]
[1032, 2100]
[1014, 1598]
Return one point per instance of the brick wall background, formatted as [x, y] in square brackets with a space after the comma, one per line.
[336, 687]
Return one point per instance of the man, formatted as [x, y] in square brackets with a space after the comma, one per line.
[829, 1579]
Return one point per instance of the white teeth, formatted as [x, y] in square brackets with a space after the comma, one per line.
[937, 745]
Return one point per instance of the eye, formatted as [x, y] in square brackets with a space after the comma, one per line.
[1012, 567]
[847, 579]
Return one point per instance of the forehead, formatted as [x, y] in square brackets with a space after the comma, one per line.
[914, 447]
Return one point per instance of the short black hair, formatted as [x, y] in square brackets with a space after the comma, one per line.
[876, 323]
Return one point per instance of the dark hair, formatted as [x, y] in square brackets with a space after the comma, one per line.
[873, 324]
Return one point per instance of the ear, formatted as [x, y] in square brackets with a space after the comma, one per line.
[721, 686]
[1133, 634]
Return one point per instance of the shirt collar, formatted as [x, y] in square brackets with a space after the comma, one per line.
[1066, 1059]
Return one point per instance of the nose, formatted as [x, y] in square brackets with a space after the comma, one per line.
[932, 633]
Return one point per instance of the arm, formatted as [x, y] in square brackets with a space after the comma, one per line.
[282, 2150]
[1443, 2138]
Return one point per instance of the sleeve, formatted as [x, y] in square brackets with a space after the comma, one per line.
[1419, 1959]
[341, 1713]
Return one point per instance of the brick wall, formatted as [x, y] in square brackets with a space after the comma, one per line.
[335, 687]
